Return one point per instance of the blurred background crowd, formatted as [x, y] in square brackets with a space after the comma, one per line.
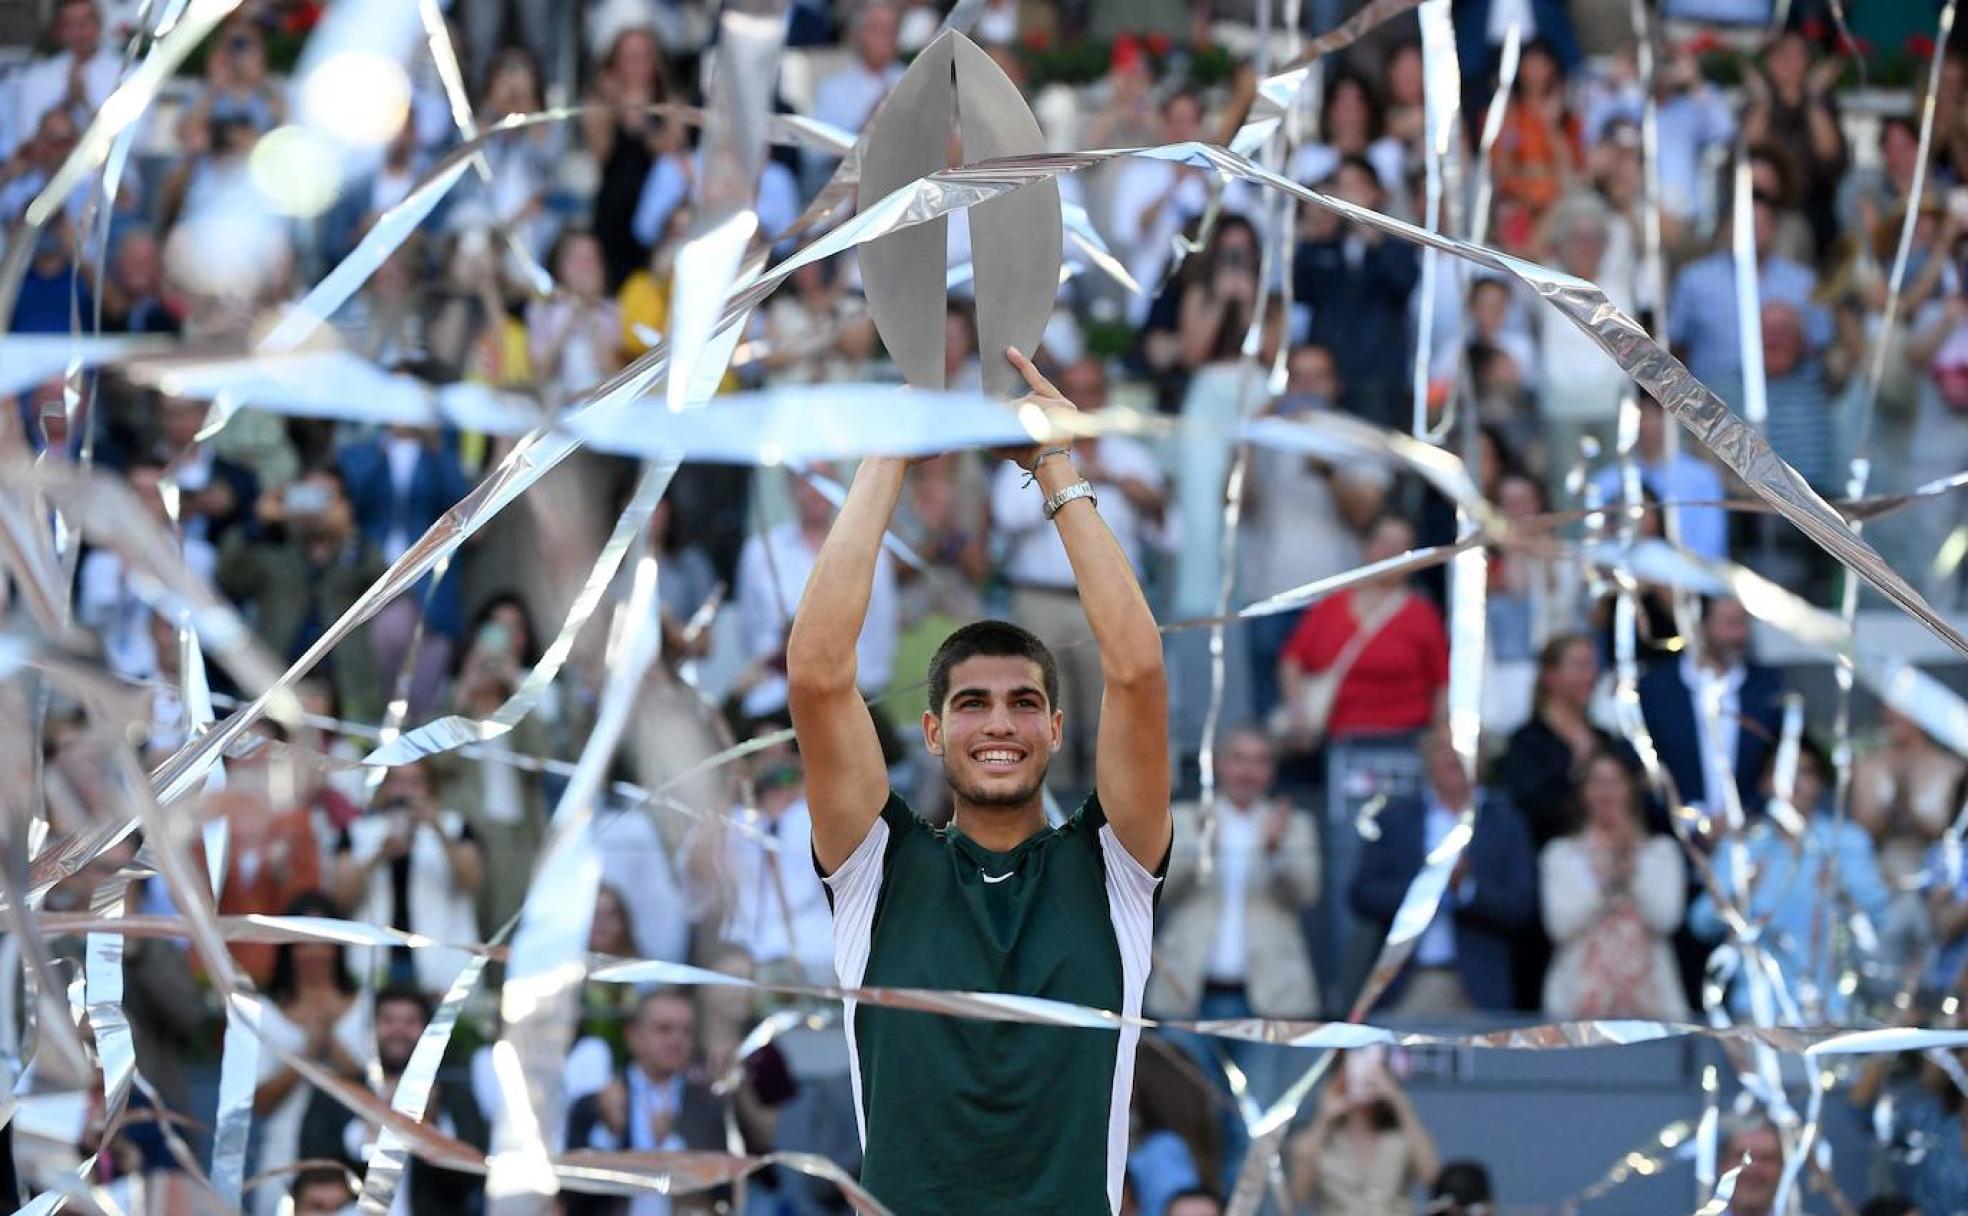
[1575, 900]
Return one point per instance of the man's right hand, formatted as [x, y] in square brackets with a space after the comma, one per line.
[613, 1104]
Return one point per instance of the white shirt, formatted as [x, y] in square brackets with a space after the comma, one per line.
[1506, 13]
[778, 906]
[1584, 380]
[43, 85]
[1239, 850]
[1720, 737]
[1034, 554]
[847, 99]
[108, 604]
[402, 453]
[772, 574]
[635, 863]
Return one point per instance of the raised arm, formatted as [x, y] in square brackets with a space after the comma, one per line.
[846, 781]
[1131, 765]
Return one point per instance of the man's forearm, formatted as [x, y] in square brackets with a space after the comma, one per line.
[820, 648]
[1117, 612]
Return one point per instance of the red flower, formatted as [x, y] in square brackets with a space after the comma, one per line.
[1158, 44]
[1703, 43]
[1814, 29]
[302, 17]
[1920, 46]
[1126, 53]
[1034, 40]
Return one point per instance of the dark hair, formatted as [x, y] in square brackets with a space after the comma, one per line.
[1167, 1098]
[1551, 654]
[989, 639]
[1807, 749]
[1635, 803]
[408, 993]
[1345, 79]
[1463, 1181]
[320, 1175]
[284, 983]
[1189, 95]
[529, 654]
[1888, 1205]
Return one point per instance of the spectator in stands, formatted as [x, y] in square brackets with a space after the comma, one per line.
[1682, 478]
[134, 299]
[1790, 104]
[1125, 115]
[625, 140]
[1802, 423]
[321, 1191]
[1581, 383]
[1904, 795]
[1937, 445]
[1151, 201]
[1786, 893]
[815, 331]
[1044, 599]
[413, 865]
[1383, 646]
[522, 164]
[848, 98]
[673, 178]
[1705, 758]
[399, 481]
[1303, 516]
[1774, 173]
[502, 803]
[332, 1132]
[1545, 756]
[1693, 117]
[652, 1106]
[74, 81]
[51, 283]
[1702, 320]
[772, 574]
[271, 856]
[574, 339]
[1403, 92]
[1535, 595]
[26, 173]
[1539, 152]
[1365, 1150]
[1462, 1188]
[1871, 191]
[1357, 282]
[1350, 124]
[1489, 322]
[311, 1011]
[1612, 896]
[1461, 963]
[364, 199]
[214, 493]
[1174, 1145]
[310, 566]
[237, 88]
[764, 897]
[112, 602]
[1758, 1149]
[1232, 940]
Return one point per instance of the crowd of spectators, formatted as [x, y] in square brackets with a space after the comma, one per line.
[1574, 899]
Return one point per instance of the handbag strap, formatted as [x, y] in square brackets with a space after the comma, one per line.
[1368, 631]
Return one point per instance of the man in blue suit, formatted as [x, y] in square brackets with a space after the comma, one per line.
[1462, 961]
[400, 481]
[1751, 699]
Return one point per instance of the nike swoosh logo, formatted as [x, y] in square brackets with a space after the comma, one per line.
[997, 877]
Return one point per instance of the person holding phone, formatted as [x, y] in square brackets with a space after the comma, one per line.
[1366, 1150]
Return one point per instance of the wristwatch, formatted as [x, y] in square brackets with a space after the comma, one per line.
[1079, 489]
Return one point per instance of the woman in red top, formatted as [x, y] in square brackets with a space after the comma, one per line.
[1397, 678]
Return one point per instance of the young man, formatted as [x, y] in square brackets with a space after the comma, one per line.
[988, 1117]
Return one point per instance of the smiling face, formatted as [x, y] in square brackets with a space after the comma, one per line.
[996, 732]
